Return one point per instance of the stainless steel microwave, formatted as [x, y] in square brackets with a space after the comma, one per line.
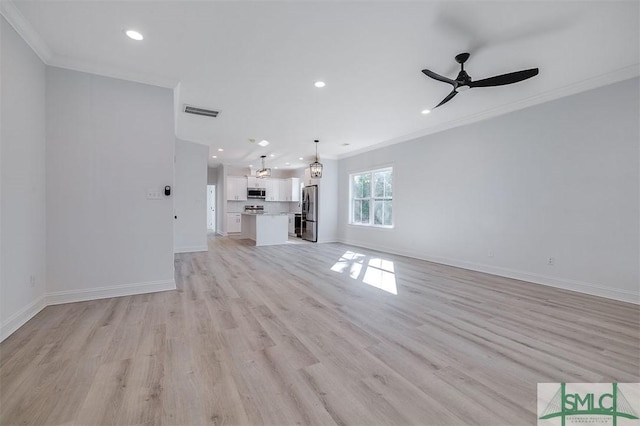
[256, 193]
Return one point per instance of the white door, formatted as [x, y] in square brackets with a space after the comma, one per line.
[211, 207]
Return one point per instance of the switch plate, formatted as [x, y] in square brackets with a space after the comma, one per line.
[154, 194]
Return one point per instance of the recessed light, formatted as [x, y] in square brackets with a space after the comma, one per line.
[214, 156]
[319, 84]
[132, 34]
[220, 149]
[300, 158]
[272, 155]
[250, 165]
[425, 111]
[286, 164]
[263, 142]
[275, 167]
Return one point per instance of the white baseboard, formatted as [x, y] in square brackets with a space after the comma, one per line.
[21, 317]
[566, 284]
[190, 249]
[59, 297]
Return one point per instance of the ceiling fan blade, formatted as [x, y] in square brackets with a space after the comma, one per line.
[447, 99]
[501, 80]
[438, 77]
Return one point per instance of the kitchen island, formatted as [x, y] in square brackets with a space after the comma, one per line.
[266, 229]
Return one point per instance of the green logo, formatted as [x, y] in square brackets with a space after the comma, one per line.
[580, 402]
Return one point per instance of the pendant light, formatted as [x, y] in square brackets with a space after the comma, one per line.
[316, 167]
[263, 172]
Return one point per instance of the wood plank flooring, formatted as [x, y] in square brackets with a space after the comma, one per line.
[291, 334]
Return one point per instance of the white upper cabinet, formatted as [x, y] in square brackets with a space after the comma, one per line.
[290, 189]
[254, 182]
[283, 190]
[236, 188]
[283, 193]
[273, 189]
[293, 187]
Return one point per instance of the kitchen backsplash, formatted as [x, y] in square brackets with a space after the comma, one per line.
[269, 207]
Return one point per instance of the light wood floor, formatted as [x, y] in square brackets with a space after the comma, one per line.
[273, 335]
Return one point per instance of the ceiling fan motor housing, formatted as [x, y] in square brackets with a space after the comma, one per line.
[463, 78]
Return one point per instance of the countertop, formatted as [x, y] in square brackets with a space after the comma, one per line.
[265, 214]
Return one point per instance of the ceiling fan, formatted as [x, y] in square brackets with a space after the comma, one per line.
[463, 80]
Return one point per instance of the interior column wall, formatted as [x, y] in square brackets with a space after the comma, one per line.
[110, 153]
[22, 182]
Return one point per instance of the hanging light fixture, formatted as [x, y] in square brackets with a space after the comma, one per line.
[316, 167]
[263, 172]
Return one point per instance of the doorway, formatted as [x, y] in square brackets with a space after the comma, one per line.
[211, 208]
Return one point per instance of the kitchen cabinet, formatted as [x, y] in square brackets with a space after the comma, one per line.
[236, 188]
[293, 189]
[265, 229]
[287, 190]
[254, 182]
[283, 193]
[272, 189]
[234, 222]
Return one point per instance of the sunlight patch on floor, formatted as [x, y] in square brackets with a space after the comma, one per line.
[376, 272]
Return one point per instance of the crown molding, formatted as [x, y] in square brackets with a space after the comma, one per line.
[17, 20]
[80, 65]
[615, 76]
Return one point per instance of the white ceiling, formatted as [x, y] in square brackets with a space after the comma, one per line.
[257, 62]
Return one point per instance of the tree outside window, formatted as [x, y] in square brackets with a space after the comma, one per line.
[372, 198]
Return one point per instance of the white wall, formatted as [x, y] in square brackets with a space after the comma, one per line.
[190, 197]
[221, 195]
[559, 180]
[108, 142]
[22, 187]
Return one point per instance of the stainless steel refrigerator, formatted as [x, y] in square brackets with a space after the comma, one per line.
[310, 213]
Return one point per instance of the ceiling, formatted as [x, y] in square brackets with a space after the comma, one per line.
[256, 62]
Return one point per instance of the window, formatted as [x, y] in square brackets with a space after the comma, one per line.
[372, 198]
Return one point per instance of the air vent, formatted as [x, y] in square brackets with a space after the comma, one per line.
[200, 111]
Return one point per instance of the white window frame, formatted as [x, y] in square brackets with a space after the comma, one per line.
[371, 198]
